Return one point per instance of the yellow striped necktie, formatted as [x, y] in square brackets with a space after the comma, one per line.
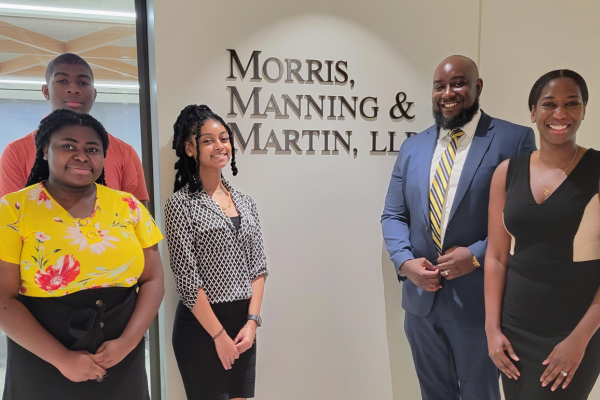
[439, 187]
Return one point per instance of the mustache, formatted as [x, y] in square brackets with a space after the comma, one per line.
[463, 118]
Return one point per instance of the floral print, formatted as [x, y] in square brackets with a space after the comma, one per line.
[39, 195]
[59, 254]
[59, 275]
[40, 237]
[74, 232]
[131, 202]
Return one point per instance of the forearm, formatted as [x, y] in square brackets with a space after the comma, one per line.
[205, 315]
[148, 301]
[587, 327]
[494, 283]
[18, 324]
[258, 289]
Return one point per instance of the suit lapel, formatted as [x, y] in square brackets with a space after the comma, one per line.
[424, 160]
[481, 142]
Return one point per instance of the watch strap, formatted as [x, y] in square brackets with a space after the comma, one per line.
[256, 318]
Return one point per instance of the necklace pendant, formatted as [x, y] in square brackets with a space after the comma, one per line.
[546, 192]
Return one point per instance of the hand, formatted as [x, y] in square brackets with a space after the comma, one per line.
[112, 352]
[243, 341]
[566, 356]
[422, 273]
[226, 350]
[498, 346]
[458, 261]
[78, 366]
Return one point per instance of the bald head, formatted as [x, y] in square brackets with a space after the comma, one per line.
[459, 62]
[456, 91]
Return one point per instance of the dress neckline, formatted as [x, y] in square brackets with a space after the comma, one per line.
[80, 221]
[559, 186]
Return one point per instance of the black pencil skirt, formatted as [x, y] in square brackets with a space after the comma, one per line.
[80, 321]
[204, 377]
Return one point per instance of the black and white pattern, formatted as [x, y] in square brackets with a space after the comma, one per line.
[207, 251]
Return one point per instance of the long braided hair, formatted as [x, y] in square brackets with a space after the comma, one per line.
[188, 124]
[55, 121]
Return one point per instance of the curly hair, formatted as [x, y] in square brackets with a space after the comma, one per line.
[55, 121]
[188, 123]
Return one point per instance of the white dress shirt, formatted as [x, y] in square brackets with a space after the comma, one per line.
[464, 144]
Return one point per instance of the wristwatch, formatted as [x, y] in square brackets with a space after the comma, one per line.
[255, 318]
[475, 262]
[401, 277]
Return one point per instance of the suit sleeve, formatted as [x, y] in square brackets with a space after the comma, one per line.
[395, 221]
[526, 145]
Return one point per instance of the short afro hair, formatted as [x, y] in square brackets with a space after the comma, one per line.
[67, 58]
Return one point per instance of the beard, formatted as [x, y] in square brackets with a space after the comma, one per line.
[465, 116]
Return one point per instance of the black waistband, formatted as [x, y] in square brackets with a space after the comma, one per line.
[87, 311]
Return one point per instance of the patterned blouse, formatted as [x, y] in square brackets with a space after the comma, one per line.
[59, 254]
[208, 252]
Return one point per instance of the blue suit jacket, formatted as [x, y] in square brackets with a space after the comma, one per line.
[405, 219]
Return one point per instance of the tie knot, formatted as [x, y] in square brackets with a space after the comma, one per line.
[456, 133]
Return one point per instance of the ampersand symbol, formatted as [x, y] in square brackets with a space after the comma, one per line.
[403, 111]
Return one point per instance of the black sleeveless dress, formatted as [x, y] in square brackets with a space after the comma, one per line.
[553, 275]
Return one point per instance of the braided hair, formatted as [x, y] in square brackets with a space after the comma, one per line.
[55, 121]
[189, 122]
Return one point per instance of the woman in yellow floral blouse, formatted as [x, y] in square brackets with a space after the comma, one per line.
[80, 274]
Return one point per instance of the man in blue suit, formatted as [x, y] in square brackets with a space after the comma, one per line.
[435, 229]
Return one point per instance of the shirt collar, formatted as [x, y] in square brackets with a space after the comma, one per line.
[469, 128]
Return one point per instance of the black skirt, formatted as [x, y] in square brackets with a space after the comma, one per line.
[80, 321]
[204, 377]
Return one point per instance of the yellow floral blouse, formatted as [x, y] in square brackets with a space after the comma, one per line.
[59, 254]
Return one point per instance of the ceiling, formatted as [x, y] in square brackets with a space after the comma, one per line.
[106, 5]
[29, 39]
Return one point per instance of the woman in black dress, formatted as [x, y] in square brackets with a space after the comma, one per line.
[542, 275]
[218, 260]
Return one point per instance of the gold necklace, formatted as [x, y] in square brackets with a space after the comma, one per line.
[228, 196]
[547, 191]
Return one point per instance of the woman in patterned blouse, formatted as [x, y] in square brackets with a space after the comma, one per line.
[218, 260]
[63, 234]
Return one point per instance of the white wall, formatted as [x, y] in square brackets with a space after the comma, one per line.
[521, 41]
[333, 322]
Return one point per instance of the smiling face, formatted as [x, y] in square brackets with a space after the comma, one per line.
[75, 156]
[215, 148]
[71, 87]
[559, 111]
[456, 88]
